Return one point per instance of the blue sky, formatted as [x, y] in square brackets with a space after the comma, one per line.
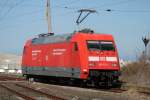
[128, 21]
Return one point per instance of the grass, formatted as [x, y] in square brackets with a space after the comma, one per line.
[136, 73]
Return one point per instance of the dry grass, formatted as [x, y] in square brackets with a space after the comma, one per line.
[136, 73]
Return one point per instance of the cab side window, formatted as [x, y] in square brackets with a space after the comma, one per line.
[24, 50]
[75, 46]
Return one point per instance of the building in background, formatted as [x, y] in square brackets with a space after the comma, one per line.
[10, 63]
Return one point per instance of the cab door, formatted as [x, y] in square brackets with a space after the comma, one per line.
[75, 60]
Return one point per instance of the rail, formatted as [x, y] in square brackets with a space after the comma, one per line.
[38, 91]
[17, 93]
[26, 96]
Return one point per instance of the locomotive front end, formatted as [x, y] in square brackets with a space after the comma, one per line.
[99, 59]
[103, 62]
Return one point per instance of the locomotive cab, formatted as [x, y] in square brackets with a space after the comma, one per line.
[98, 58]
[102, 55]
[103, 62]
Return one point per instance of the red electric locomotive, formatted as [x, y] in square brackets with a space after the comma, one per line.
[87, 57]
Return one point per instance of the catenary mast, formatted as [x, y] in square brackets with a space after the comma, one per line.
[48, 15]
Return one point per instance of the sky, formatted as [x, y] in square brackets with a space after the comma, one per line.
[128, 21]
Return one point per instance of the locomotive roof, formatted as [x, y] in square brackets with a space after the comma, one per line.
[48, 38]
[44, 39]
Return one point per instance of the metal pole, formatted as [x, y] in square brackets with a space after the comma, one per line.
[48, 15]
[145, 54]
[146, 41]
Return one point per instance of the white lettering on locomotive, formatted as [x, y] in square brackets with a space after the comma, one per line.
[36, 51]
[111, 58]
[96, 58]
[58, 51]
[93, 58]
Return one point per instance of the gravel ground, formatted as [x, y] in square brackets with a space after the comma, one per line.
[76, 93]
[6, 95]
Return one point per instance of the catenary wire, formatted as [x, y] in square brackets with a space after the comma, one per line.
[10, 9]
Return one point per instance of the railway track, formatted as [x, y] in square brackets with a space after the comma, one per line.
[38, 91]
[114, 90]
[140, 89]
[28, 93]
[9, 78]
[13, 85]
[119, 90]
[145, 91]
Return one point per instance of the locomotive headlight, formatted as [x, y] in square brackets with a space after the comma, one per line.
[91, 64]
[85, 71]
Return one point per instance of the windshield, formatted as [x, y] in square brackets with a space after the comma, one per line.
[100, 45]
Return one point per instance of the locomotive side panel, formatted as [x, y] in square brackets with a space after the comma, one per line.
[58, 59]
